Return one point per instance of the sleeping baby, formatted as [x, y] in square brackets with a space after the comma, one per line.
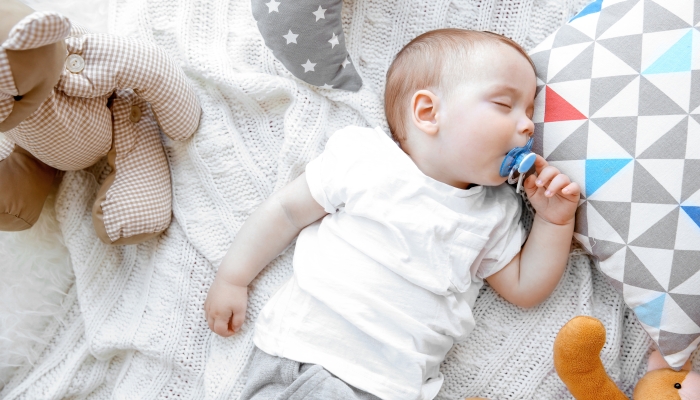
[395, 237]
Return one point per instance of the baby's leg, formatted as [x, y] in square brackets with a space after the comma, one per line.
[271, 377]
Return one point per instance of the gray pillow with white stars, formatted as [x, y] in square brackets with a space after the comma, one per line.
[307, 37]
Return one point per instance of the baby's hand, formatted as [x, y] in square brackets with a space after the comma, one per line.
[552, 193]
[225, 307]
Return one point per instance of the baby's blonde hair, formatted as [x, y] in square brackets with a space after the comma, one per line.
[426, 62]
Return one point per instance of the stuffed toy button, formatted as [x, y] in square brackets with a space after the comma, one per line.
[68, 99]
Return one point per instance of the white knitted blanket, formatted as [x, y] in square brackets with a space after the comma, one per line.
[134, 324]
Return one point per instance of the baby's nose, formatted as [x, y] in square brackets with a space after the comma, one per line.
[527, 127]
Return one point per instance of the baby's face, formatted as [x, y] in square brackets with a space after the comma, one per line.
[486, 115]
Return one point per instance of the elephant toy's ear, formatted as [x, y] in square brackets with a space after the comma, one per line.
[36, 30]
[32, 55]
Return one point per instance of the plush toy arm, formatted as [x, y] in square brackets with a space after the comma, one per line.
[112, 63]
[78, 30]
[577, 360]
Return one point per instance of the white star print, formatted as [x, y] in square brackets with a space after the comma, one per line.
[333, 41]
[345, 62]
[291, 38]
[272, 6]
[327, 86]
[309, 66]
[320, 13]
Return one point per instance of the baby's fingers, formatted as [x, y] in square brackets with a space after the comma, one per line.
[546, 175]
[221, 326]
[210, 322]
[529, 184]
[557, 184]
[572, 189]
[540, 164]
[237, 321]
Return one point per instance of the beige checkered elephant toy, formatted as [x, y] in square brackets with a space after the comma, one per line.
[69, 98]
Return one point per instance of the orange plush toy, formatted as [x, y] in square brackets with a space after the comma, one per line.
[577, 361]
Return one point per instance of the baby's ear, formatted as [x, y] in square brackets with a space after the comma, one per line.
[425, 106]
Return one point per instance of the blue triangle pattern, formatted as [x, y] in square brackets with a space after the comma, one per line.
[693, 213]
[591, 8]
[599, 171]
[676, 59]
[650, 313]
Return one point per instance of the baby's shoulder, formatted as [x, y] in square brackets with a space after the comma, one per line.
[503, 191]
[358, 136]
[357, 145]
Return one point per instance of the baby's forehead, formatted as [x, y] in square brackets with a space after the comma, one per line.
[496, 62]
[476, 57]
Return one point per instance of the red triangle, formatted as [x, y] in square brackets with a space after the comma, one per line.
[558, 109]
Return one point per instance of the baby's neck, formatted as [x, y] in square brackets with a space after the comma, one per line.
[433, 169]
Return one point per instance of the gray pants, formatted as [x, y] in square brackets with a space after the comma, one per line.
[277, 378]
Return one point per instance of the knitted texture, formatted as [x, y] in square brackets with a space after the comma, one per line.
[134, 323]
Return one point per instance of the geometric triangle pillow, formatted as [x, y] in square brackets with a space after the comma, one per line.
[618, 110]
[308, 39]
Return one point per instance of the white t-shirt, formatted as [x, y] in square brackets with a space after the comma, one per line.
[384, 285]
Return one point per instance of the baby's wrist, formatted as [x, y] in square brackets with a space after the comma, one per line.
[232, 280]
[570, 222]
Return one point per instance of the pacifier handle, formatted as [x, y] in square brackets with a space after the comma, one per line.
[520, 160]
[525, 168]
[527, 162]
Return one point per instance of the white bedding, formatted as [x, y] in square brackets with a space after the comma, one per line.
[132, 325]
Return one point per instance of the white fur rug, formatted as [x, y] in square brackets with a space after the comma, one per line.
[35, 264]
[36, 275]
[132, 325]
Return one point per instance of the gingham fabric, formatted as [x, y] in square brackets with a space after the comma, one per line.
[35, 30]
[6, 103]
[619, 102]
[6, 147]
[73, 128]
[65, 132]
[137, 202]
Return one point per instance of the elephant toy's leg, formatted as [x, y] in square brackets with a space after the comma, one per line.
[25, 182]
[134, 203]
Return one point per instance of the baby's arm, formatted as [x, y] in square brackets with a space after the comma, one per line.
[268, 231]
[533, 273]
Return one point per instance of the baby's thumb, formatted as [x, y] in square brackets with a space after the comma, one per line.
[530, 186]
[237, 321]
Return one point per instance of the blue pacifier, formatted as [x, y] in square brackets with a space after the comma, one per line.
[518, 164]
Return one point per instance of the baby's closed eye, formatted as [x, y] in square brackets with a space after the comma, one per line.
[503, 103]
